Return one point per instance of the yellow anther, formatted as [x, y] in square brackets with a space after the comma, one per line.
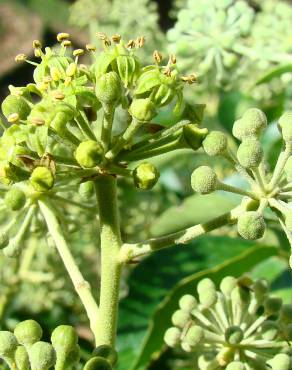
[13, 117]
[140, 42]
[116, 38]
[172, 59]
[58, 95]
[157, 57]
[62, 36]
[78, 52]
[90, 47]
[190, 79]
[55, 73]
[131, 44]
[36, 44]
[37, 121]
[66, 43]
[102, 36]
[20, 58]
[71, 69]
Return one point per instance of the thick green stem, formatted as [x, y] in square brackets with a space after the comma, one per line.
[110, 264]
[81, 286]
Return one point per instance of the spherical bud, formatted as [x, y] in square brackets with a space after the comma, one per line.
[285, 120]
[21, 358]
[180, 318]
[145, 176]
[143, 110]
[86, 190]
[8, 344]
[215, 143]
[227, 285]
[236, 365]
[42, 179]
[272, 305]
[194, 135]
[172, 337]
[187, 302]
[97, 363]
[234, 335]
[207, 292]
[15, 199]
[251, 225]
[286, 313]
[107, 352]
[280, 362]
[250, 125]
[204, 180]
[15, 104]
[4, 239]
[108, 88]
[194, 336]
[42, 356]
[28, 332]
[288, 169]
[64, 338]
[269, 330]
[250, 153]
[89, 153]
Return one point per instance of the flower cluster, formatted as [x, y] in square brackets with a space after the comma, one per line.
[268, 189]
[239, 327]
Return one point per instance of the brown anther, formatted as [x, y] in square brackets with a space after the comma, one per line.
[157, 57]
[167, 72]
[78, 52]
[90, 47]
[62, 36]
[36, 44]
[102, 36]
[66, 43]
[140, 42]
[20, 58]
[116, 38]
[58, 95]
[172, 59]
[189, 79]
[37, 121]
[131, 44]
[13, 117]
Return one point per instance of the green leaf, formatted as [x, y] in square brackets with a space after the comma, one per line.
[153, 342]
[273, 73]
[194, 209]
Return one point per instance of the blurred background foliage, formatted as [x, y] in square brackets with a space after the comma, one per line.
[241, 52]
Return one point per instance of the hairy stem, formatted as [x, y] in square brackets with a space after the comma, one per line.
[81, 286]
[110, 264]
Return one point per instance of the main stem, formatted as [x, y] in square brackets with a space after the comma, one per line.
[111, 267]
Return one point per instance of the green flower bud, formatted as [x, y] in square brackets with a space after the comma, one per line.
[194, 336]
[64, 338]
[250, 125]
[285, 120]
[86, 190]
[272, 305]
[15, 199]
[250, 153]
[8, 344]
[215, 143]
[236, 365]
[187, 302]
[286, 313]
[4, 239]
[280, 362]
[42, 179]
[15, 104]
[180, 318]
[21, 358]
[89, 153]
[269, 330]
[145, 176]
[194, 135]
[172, 337]
[97, 363]
[143, 110]
[107, 352]
[42, 356]
[204, 180]
[207, 292]
[234, 335]
[108, 88]
[251, 225]
[288, 169]
[28, 332]
[227, 285]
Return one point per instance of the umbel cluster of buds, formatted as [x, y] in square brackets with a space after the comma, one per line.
[238, 327]
[24, 350]
[268, 189]
[53, 139]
